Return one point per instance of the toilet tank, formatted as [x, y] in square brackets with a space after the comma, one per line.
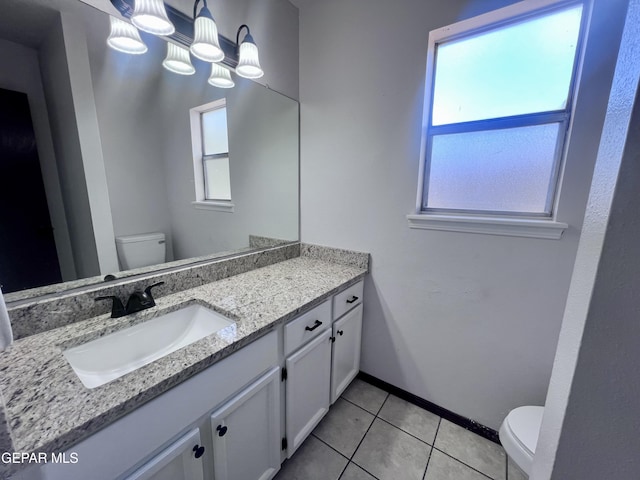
[142, 250]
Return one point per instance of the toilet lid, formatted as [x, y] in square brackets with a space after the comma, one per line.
[525, 424]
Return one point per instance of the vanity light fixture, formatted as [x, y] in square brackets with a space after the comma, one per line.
[199, 34]
[220, 77]
[248, 62]
[151, 16]
[178, 60]
[124, 37]
[206, 45]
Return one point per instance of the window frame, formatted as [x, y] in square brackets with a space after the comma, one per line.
[199, 158]
[427, 217]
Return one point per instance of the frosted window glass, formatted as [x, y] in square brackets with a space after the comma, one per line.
[493, 170]
[216, 178]
[214, 132]
[522, 68]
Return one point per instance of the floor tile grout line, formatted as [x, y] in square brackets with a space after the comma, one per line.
[362, 439]
[465, 464]
[381, 406]
[364, 470]
[360, 406]
[404, 431]
[424, 475]
[375, 415]
[356, 405]
[332, 448]
[344, 469]
[349, 460]
[506, 467]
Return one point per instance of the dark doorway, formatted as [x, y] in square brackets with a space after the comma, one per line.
[28, 255]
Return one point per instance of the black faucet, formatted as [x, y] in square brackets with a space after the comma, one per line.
[137, 301]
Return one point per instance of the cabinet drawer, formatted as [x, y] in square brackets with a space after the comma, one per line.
[308, 326]
[345, 301]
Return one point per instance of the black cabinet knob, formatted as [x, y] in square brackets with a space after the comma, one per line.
[199, 451]
[221, 430]
[340, 332]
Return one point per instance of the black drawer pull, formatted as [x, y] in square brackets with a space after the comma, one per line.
[221, 430]
[352, 299]
[316, 324]
[199, 451]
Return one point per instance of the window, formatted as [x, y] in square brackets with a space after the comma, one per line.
[211, 156]
[499, 91]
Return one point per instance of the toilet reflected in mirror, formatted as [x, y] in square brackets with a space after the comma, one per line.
[135, 251]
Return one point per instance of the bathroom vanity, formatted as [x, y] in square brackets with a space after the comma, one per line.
[232, 405]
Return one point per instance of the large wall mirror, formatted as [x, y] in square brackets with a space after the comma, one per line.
[97, 145]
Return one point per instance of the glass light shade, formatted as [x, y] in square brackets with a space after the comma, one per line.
[151, 16]
[220, 77]
[178, 60]
[124, 37]
[205, 44]
[249, 64]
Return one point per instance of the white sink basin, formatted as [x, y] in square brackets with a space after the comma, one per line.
[107, 358]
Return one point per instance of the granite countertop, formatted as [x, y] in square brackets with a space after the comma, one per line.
[48, 409]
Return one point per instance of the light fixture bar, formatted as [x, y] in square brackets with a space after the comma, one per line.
[184, 30]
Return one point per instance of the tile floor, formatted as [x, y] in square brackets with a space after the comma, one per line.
[369, 434]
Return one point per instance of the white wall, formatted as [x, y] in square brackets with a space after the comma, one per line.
[591, 427]
[84, 105]
[467, 321]
[55, 80]
[24, 76]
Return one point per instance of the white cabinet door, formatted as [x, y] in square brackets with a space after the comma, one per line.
[345, 362]
[246, 432]
[308, 389]
[182, 460]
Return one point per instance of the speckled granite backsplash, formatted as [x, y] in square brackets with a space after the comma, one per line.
[41, 314]
[335, 255]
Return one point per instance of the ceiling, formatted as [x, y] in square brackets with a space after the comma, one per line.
[27, 22]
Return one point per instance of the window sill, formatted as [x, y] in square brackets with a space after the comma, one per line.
[213, 205]
[512, 227]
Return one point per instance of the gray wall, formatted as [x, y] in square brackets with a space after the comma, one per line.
[467, 321]
[263, 162]
[24, 76]
[591, 427]
[274, 27]
[128, 106]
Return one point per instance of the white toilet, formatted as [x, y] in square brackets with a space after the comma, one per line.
[519, 435]
[142, 250]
